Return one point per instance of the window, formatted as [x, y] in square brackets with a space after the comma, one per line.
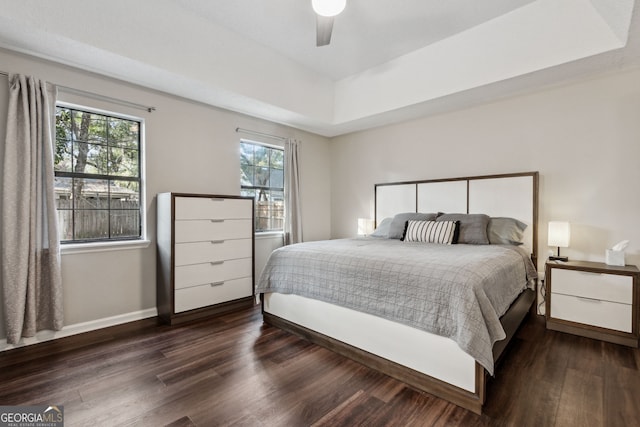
[262, 177]
[97, 176]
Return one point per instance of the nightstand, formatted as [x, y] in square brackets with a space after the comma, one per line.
[594, 300]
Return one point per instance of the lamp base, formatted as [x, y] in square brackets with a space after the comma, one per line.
[558, 258]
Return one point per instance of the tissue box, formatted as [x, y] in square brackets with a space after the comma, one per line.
[614, 257]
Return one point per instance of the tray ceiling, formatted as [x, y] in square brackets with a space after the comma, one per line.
[387, 61]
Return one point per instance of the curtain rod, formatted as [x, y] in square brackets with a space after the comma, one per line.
[253, 132]
[97, 96]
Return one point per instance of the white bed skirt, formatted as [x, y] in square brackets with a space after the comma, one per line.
[430, 354]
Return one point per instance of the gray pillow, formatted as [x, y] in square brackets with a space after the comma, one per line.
[473, 227]
[396, 229]
[383, 228]
[505, 231]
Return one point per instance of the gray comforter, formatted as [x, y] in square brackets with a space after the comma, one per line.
[456, 291]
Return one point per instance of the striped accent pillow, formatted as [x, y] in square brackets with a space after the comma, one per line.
[430, 231]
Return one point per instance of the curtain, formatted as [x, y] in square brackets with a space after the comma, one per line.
[31, 278]
[292, 216]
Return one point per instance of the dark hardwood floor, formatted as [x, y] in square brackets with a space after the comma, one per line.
[233, 370]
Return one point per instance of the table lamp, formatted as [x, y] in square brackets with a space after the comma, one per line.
[559, 235]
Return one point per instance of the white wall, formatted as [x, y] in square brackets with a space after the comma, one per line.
[190, 147]
[583, 138]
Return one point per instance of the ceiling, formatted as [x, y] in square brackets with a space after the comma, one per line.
[387, 61]
[366, 34]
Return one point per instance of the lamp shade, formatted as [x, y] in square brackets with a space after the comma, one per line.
[559, 234]
[365, 226]
[328, 7]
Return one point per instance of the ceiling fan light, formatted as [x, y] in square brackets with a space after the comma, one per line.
[328, 7]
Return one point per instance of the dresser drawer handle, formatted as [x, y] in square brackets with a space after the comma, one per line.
[217, 220]
[217, 242]
[214, 284]
[214, 199]
[217, 262]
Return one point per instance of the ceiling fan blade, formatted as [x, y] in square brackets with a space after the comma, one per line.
[324, 26]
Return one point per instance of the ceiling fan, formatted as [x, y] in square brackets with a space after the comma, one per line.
[325, 11]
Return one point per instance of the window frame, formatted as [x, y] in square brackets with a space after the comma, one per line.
[242, 187]
[126, 242]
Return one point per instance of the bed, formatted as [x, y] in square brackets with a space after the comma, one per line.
[435, 315]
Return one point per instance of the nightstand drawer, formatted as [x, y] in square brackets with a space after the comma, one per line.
[599, 286]
[605, 314]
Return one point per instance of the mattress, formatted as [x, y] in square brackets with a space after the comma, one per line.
[454, 291]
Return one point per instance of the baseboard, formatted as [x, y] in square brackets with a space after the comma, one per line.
[80, 328]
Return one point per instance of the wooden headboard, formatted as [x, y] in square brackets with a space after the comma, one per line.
[512, 195]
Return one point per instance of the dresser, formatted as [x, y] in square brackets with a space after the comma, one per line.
[594, 300]
[205, 255]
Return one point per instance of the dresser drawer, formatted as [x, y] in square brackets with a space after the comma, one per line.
[599, 286]
[605, 314]
[221, 229]
[205, 295]
[212, 272]
[211, 251]
[212, 208]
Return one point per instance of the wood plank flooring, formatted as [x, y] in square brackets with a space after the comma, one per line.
[235, 371]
